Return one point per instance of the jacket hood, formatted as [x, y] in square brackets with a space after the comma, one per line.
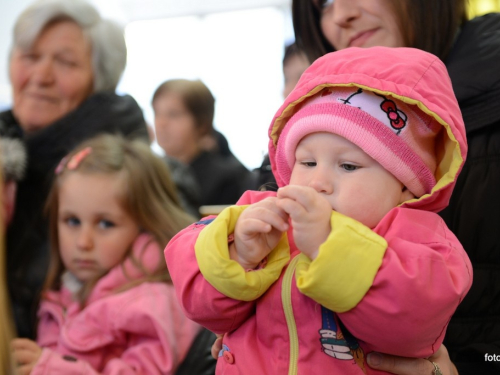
[413, 76]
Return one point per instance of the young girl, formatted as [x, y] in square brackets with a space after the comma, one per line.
[349, 256]
[108, 305]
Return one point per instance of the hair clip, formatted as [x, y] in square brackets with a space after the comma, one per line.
[61, 165]
[78, 157]
[75, 160]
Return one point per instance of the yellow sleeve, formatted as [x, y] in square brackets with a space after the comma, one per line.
[227, 275]
[345, 267]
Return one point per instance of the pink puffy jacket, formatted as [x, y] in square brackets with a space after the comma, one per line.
[141, 330]
[391, 289]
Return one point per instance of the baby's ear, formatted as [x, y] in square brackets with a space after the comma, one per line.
[406, 195]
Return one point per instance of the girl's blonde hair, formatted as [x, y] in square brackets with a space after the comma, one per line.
[149, 196]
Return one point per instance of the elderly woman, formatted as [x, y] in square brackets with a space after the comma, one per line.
[65, 64]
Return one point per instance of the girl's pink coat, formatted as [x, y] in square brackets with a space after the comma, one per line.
[141, 330]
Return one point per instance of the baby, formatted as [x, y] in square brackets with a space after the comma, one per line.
[349, 256]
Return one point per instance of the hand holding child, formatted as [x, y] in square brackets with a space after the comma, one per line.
[310, 213]
[257, 232]
[26, 354]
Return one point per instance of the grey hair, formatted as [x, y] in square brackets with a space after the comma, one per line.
[109, 51]
[12, 158]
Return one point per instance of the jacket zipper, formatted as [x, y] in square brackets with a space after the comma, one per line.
[286, 297]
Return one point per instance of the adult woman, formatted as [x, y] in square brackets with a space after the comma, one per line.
[65, 64]
[470, 50]
[184, 112]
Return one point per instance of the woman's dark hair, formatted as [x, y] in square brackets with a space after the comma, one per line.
[429, 25]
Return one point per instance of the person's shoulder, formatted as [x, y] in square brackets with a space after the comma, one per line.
[146, 301]
[109, 112]
[135, 299]
[410, 222]
[9, 127]
[485, 22]
[220, 163]
[476, 35]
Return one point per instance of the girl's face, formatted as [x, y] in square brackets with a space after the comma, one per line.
[351, 181]
[359, 23]
[176, 130]
[95, 232]
[51, 78]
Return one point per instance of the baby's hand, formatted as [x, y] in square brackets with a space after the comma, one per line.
[25, 353]
[257, 232]
[310, 213]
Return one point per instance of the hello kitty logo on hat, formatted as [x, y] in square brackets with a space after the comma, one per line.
[394, 117]
[399, 136]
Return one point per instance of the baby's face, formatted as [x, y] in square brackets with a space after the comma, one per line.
[351, 181]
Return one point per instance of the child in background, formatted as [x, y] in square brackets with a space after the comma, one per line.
[108, 305]
[349, 256]
[294, 64]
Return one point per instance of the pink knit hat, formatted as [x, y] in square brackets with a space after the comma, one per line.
[399, 136]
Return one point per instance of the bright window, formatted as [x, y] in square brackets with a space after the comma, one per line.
[237, 55]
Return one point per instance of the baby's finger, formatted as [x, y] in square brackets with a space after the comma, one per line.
[254, 226]
[292, 207]
[264, 224]
[271, 204]
[303, 195]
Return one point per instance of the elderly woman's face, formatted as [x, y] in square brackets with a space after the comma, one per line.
[51, 78]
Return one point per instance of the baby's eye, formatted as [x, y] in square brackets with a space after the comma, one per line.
[106, 224]
[349, 167]
[308, 163]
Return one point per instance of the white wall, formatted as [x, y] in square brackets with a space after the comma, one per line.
[9, 10]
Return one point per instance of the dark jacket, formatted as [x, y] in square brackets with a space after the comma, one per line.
[187, 185]
[474, 210]
[222, 179]
[27, 239]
